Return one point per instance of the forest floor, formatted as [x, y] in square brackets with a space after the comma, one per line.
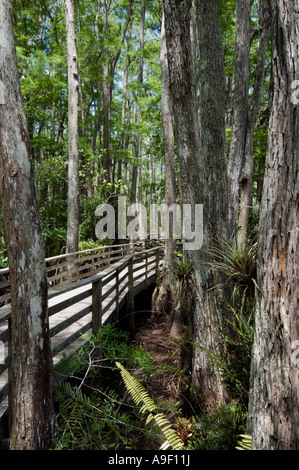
[164, 384]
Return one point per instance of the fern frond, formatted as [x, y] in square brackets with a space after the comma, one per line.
[245, 443]
[137, 391]
[73, 406]
[140, 395]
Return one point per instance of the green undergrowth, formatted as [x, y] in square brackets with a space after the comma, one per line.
[218, 430]
[93, 410]
[104, 404]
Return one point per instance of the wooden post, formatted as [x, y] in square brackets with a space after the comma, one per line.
[96, 322]
[131, 297]
[96, 306]
[117, 294]
[157, 262]
[9, 377]
[146, 268]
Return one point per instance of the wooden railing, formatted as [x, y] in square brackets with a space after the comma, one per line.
[84, 305]
[66, 268]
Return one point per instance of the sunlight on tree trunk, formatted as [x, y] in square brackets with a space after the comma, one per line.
[31, 363]
[240, 110]
[73, 131]
[246, 181]
[194, 161]
[273, 417]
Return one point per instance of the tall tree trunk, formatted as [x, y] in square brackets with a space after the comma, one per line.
[123, 140]
[168, 133]
[194, 188]
[31, 363]
[164, 295]
[137, 170]
[248, 170]
[108, 81]
[240, 109]
[106, 100]
[213, 147]
[72, 241]
[194, 43]
[273, 416]
[212, 116]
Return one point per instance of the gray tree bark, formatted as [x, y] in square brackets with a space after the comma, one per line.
[240, 109]
[212, 116]
[164, 296]
[273, 415]
[73, 131]
[106, 99]
[108, 81]
[168, 133]
[194, 160]
[136, 189]
[125, 114]
[248, 170]
[31, 364]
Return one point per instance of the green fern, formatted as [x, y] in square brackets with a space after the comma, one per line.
[245, 443]
[88, 423]
[140, 395]
[72, 404]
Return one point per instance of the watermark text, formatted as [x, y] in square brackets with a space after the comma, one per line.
[158, 221]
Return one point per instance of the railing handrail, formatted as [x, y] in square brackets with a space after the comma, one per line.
[76, 253]
[92, 250]
[89, 280]
[53, 292]
[127, 277]
[84, 264]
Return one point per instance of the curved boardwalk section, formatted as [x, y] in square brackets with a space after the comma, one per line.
[83, 306]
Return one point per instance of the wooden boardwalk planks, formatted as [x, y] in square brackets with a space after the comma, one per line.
[83, 306]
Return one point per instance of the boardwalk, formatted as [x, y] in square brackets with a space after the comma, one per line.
[81, 307]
